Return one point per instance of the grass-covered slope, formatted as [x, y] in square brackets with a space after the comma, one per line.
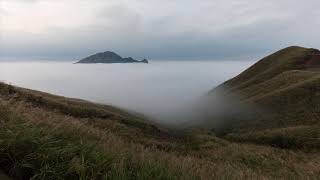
[285, 88]
[291, 58]
[43, 136]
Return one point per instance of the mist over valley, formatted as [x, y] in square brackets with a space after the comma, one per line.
[163, 90]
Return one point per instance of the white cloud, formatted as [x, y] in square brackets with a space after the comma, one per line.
[163, 28]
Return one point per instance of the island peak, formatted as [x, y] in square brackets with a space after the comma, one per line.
[109, 57]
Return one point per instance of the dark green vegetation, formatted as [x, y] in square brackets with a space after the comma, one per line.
[43, 136]
[285, 86]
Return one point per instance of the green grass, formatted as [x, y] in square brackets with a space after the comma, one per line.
[73, 107]
[38, 152]
[306, 138]
[291, 58]
[78, 108]
[282, 91]
[76, 151]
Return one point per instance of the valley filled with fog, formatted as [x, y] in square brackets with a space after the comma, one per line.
[157, 89]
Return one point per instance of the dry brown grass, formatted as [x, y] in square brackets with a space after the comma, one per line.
[204, 157]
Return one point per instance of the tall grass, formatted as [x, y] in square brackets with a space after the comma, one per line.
[40, 141]
[32, 152]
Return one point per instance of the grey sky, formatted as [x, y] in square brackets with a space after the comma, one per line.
[156, 29]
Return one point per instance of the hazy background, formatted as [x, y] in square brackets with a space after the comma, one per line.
[175, 35]
[155, 29]
[162, 89]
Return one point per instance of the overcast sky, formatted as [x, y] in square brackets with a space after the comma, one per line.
[155, 29]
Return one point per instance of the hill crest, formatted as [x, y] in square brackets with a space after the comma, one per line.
[285, 87]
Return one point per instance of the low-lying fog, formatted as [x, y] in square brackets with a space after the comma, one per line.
[157, 89]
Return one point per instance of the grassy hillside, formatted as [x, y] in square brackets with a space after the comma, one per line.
[43, 136]
[290, 58]
[47, 137]
[285, 87]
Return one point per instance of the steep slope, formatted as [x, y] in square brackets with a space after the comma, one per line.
[285, 88]
[291, 58]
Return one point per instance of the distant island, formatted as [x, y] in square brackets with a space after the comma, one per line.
[108, 57]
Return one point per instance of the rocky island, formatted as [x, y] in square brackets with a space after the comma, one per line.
[109, 57]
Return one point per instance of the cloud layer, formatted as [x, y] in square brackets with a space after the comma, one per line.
[156, 29]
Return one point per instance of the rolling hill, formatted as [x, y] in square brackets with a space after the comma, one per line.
[285, 87]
